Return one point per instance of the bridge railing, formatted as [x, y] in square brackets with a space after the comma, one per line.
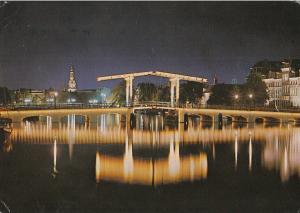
[62, 106]
[244, 108]
[151, 104]
[146, 104]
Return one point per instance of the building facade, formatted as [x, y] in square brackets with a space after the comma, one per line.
[25, 96]
[284, 86]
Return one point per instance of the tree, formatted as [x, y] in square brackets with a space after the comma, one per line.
[147, 92]
[255, 86]
[4, 96]
[163, 93]
[221, 94]
[191, 92]
[118, 95]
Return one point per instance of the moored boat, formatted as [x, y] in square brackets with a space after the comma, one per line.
[5, 125]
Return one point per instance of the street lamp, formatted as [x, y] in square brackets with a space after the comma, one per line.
[55, 96]
[251, 96]
[236, 97]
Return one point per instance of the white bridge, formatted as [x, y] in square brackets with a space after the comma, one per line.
[174, 82]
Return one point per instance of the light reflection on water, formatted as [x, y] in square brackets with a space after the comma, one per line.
[282, 153]
[80, 166]
[173, 169]
[278, 147]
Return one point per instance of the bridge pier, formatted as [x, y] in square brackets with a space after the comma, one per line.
[186, 121]
[250, 121]
[129, 91]
[183, 119]
[130, 118]
[174, 85]
[284, 122]
[139, 121]
[180, 114]
[217, 121]
[296, 121]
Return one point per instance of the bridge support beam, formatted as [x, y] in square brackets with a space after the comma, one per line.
[174, 85]
[180, 114]
[250, 121]
[217, 121]
[129, 90]
[283, 122]
[129, 116]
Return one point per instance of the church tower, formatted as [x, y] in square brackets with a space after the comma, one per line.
[215, 80]
[72, 83]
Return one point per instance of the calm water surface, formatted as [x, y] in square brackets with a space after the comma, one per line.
[107, 167]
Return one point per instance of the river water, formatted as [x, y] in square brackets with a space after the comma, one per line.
[74, 166]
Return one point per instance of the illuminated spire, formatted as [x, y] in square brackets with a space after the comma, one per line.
[215, 80]
[72, 83]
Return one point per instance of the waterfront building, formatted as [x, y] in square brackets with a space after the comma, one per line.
[284, 86]
[50, 96]
[85, 96]
[93, 96]
[29, 96]
[32, 96]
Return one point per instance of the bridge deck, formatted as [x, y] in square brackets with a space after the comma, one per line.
[249, 115]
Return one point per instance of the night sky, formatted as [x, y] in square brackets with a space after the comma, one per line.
[39, 40]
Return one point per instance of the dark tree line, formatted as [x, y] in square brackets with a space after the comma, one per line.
[254, 91]
[190, 92]
[118, 95]
[5, 97]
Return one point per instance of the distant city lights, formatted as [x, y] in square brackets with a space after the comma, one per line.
[27, 100]
[71, 100]
[93, 101]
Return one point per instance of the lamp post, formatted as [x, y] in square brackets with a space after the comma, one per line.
[236, 97]
[55, 96]
[251, 99]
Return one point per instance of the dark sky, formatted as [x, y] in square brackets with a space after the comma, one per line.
[38, 40]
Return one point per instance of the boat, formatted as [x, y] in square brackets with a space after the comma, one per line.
[5, 125]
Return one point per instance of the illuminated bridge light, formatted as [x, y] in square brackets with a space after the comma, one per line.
[97, 167]
[54, 159]
[149, 171]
